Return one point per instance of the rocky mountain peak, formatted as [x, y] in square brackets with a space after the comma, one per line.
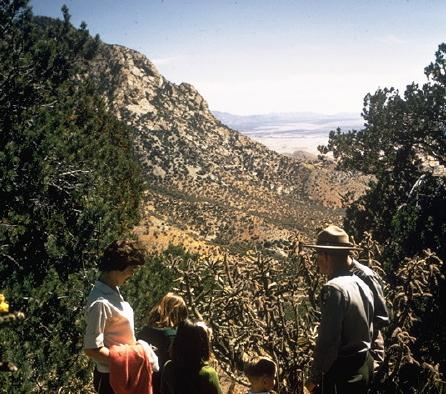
[134, 87]
[203, 175]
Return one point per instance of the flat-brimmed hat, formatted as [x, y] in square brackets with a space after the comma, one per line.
[332, 238]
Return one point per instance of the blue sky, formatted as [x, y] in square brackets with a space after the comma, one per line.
[262, 56]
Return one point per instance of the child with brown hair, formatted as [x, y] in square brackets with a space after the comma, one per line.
[189, 370]
[261, 373]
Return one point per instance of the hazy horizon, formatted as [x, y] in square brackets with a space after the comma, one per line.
[290, 132]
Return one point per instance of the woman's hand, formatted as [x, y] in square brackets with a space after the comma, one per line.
[101, 354]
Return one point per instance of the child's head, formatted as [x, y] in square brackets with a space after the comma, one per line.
[169, 312]
[261, 373]
[191, 347]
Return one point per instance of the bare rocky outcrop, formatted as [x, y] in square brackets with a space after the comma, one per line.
[202, 175]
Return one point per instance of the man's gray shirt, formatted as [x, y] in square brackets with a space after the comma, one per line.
[381, 313]
[346, 327]
[373, 281]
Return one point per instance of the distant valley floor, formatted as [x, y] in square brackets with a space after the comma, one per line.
[290, 132]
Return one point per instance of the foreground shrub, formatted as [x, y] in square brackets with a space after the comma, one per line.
[69, 185]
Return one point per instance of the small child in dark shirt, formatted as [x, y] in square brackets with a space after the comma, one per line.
[261, 373]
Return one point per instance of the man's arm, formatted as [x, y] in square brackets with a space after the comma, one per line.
[329, 333]
[381, 314]
[373, 281]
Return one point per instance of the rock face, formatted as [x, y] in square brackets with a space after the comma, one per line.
[204, 178]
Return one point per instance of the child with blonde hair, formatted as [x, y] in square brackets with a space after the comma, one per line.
[161, 330]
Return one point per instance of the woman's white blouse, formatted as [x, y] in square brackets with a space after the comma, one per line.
[109, 320]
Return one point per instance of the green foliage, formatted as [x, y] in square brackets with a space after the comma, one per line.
[69, 185]
[67, 172]
[46, 345]
[421, 222]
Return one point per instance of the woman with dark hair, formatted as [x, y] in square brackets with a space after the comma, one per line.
[162, 329]
[109, 317]
[188, 372]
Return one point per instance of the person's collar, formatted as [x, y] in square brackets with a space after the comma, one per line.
[106, 289]
[340, 272]
[352, 262]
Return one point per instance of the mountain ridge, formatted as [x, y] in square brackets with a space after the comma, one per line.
[202, 175]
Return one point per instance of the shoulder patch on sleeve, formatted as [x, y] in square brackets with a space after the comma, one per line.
[326, 293]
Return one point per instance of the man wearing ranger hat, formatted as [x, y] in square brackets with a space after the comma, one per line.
[341, 362]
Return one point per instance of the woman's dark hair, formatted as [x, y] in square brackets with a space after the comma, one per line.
[191, 347]
[121, 254]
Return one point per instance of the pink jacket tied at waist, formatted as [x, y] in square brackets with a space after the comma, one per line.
[131, 368]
